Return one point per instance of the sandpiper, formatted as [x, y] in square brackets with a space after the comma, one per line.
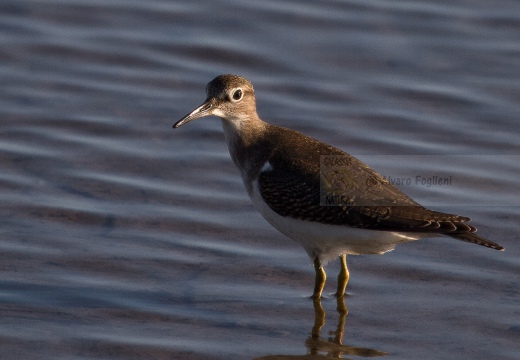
[283, 173]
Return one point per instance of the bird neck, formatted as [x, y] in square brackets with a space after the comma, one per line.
[244, 136]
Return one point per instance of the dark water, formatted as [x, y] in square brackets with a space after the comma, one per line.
[124, 239]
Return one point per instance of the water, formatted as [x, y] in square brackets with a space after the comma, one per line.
[124, 239]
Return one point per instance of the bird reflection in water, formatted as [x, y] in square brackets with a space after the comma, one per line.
[331, 347]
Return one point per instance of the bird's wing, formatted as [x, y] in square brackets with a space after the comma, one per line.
[296, 179]
[363, 198]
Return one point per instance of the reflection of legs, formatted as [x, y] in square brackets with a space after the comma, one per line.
[314, 343]
[342, 277]
[342, 310]
[320, 279]
[319, 320]
[333, 346]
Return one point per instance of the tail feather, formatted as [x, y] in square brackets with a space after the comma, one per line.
[475, 239]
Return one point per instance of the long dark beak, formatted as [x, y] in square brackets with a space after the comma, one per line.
[205, 109]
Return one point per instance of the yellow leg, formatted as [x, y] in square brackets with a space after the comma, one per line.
[342, 277]
[321, 277]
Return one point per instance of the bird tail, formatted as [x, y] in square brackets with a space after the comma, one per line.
[475, 239]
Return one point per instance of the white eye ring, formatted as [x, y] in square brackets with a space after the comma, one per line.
[237, 94]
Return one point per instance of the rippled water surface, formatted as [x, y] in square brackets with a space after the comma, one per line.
[124, 239]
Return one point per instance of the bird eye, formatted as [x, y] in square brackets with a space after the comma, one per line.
[237, 94]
